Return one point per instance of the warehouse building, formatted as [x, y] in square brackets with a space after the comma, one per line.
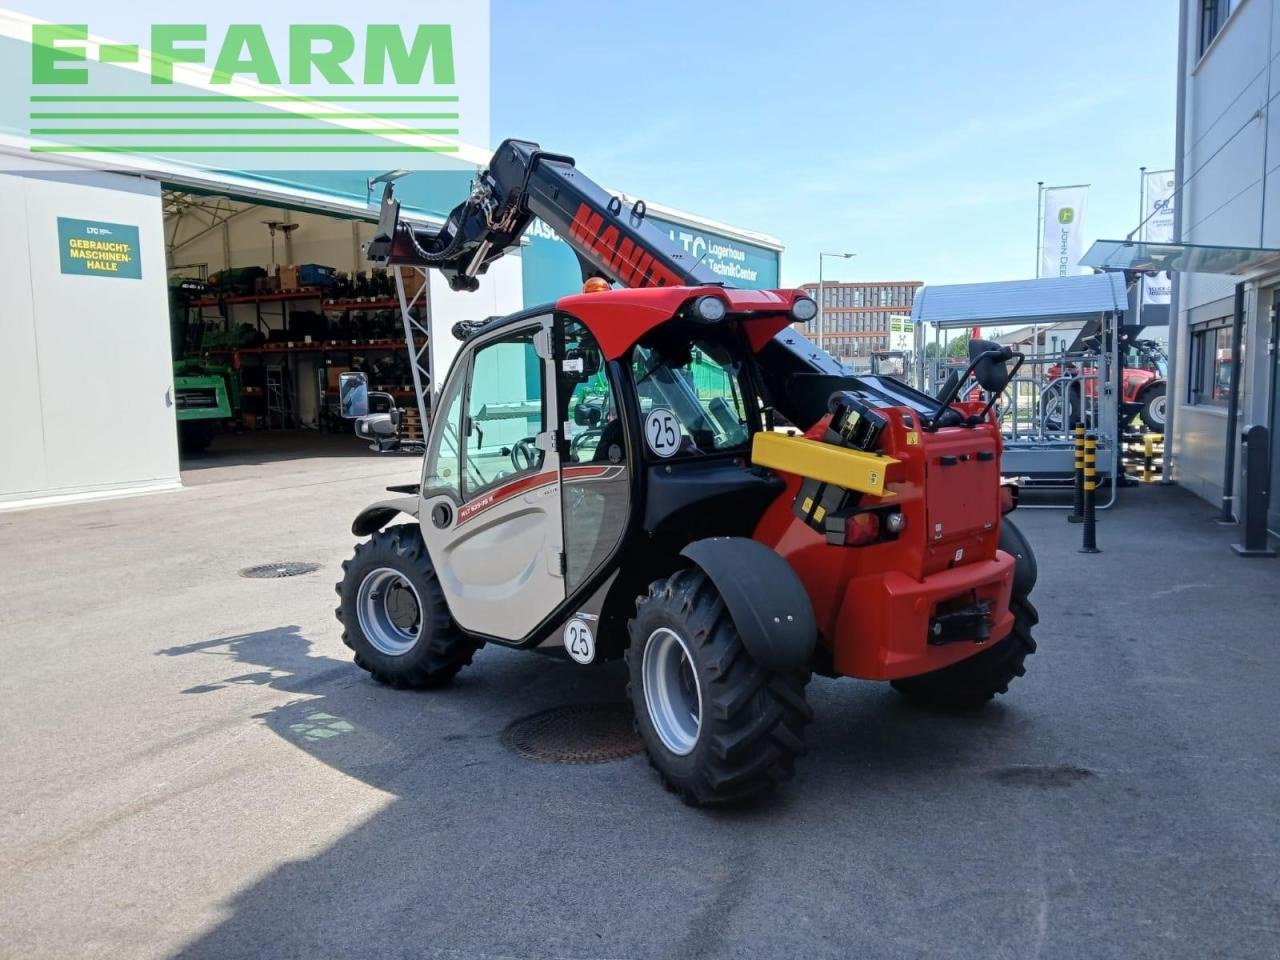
[856, 317]
[268, 280]
[1229, 197]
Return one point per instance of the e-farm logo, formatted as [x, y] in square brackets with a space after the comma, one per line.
[271, 90]
[1066, 215]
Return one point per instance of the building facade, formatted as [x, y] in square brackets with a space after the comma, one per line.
[856, 316]
[1228, 177]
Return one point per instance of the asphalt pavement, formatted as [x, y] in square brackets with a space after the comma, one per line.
[191, 766]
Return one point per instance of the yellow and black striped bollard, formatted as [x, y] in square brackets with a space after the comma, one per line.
[1077, 507]
[1090, 540]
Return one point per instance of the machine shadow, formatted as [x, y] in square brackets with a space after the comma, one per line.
[469, 824]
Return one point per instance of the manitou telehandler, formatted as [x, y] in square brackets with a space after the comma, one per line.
[602, 478]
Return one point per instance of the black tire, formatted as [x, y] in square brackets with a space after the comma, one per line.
[975, 680]
[194, 436]
[1154, 410]
[440, 649]
[751, 720]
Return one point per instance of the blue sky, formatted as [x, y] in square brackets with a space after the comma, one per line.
[910, 132]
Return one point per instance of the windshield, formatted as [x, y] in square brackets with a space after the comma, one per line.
[691, 397]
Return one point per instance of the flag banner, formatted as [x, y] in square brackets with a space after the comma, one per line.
[1158, 189]
[1062, 243]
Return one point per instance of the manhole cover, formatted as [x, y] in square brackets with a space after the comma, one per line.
[272, 571]
[575, 733]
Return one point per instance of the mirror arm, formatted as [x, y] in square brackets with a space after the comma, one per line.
[948, 398]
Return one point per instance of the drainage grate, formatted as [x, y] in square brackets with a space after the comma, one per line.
[273, 571]
[575, 733]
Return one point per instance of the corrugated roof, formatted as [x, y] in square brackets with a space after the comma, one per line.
[1049, 299]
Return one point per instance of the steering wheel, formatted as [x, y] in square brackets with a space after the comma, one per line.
[585, 437]
[525, 454]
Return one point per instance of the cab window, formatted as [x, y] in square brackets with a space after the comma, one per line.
[596, 485]
[504, 412]
[691, 395]
[442, 468]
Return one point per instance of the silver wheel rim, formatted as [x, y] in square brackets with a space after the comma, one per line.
[1157, 409]
[672, 694]
[389, 611]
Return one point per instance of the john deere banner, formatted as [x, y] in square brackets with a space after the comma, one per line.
[1158, 201]
[93, 249]
[1062, 242]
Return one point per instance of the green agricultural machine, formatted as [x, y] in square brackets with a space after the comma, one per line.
[206, 393]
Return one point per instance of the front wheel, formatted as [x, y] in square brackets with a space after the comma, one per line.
[394, 614]
[716, 725]
[976, 679]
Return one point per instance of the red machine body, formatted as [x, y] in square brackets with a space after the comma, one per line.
[874, 603]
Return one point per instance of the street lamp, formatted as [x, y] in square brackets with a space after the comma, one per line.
[821, 325]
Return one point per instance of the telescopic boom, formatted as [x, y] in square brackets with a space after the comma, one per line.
[523, 182]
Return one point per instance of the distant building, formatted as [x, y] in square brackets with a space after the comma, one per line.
[856, 315]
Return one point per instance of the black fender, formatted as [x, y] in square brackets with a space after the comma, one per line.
[769, 605]
[377, 515]
[1150, 386]
[1015, 544]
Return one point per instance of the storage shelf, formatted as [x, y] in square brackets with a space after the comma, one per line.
[320, 346]
[344, 304]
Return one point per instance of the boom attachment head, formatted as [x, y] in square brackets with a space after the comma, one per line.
[523, 182]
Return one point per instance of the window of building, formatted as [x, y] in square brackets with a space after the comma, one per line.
[1213, 15]
[1212, 363]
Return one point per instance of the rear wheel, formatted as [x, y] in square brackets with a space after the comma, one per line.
[394, 614]
[1154, 409]
[717, 726]
[975, 680]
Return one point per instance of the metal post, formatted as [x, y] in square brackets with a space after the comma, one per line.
[1142, 235]
[1039, 225]
[1089, 542]
[1233, 410]
[821, 344]
[1077, 506]
[1256, 477]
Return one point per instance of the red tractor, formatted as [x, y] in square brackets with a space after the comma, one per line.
[601, 480]
[1142, 388]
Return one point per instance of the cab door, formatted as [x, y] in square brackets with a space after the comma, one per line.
[490, 510]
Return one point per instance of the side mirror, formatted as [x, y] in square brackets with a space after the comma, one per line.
[586, 416]
[990, 365]
[353, 395]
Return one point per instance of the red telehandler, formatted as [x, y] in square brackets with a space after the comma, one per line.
[602, 479]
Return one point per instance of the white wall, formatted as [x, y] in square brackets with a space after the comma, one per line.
[87, 359]
[1231, 196]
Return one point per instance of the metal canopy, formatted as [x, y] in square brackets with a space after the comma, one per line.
[1180, 257]
[1047, 300]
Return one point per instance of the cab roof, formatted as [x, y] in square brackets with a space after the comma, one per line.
[620, 318]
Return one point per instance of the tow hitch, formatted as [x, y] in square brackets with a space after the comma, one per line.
[971, 623]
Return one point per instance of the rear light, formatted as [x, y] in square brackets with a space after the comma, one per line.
[1008, 497]
[861, 529]
[895, 522]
